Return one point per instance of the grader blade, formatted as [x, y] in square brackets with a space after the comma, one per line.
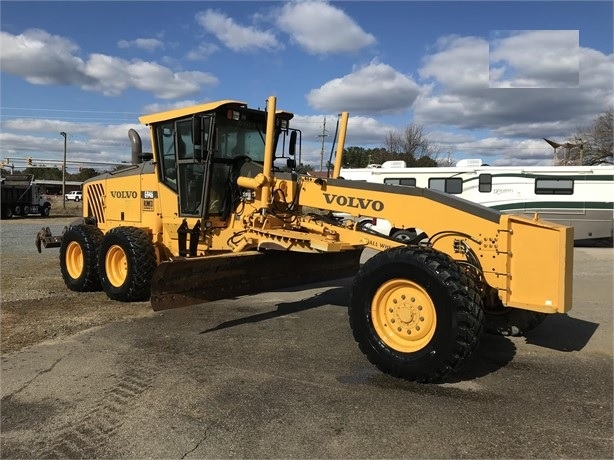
[191, 281]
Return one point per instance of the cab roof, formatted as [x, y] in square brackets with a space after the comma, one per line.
[190, 110]
[200, 108]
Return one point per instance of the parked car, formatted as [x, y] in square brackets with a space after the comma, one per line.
[75, 195]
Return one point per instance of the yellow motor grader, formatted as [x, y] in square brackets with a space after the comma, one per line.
[209, 214]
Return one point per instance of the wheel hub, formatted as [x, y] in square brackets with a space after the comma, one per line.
[116, 265]
[403, 315]
[74, 260]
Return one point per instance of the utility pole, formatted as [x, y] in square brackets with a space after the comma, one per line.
[323, 135]
[63, 134]
[581, 145]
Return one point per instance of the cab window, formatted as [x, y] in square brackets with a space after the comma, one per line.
[166, 152]
[236, 140]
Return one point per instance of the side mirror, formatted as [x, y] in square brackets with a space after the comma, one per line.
[292, 145]
[291, 164]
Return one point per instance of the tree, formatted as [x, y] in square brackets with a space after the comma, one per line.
[594, 144]
[84, 174]
[359, 157]
[41, 173]
[412, 146]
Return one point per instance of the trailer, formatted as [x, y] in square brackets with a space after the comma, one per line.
[581, 197]
[22, 196]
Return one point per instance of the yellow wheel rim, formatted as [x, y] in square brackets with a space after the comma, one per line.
[403, 315]
[74, 260]
[116, 265]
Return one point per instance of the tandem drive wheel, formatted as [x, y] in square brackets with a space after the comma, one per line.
[79, 258]
[127, 262]
[414, 314]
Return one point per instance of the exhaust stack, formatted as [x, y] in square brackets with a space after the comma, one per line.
[137, 147]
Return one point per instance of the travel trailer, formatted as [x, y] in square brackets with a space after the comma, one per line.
[577, 196]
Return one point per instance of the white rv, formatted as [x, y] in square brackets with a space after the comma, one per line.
[578, 196]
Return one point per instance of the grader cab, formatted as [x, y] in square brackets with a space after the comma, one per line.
[210, 215]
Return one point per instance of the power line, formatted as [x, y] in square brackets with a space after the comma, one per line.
[66, 110]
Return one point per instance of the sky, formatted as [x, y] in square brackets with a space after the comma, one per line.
[484, 79]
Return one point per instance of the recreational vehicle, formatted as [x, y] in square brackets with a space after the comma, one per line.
[578, 196]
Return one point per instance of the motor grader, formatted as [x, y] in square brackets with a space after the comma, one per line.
[209, 214]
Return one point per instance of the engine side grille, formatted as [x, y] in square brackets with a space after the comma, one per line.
[95, 202]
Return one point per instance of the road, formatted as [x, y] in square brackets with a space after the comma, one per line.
[279, 375]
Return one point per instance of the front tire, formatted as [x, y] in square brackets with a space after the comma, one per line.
[127, 263]
[79, 258]
[414, 314]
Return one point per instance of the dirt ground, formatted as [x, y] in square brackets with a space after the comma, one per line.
[35, 304]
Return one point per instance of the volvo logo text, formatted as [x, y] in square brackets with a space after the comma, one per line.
[354, 202]
[124, 194]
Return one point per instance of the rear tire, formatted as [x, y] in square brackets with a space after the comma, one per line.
[414, 314]
[7, 212]
[79, 258]
[127, 262]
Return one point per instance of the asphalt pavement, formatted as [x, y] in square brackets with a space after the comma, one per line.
[278, 375]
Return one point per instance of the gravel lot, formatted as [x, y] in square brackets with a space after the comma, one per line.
[36, 305]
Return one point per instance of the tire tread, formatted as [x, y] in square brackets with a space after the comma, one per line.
[468, 312]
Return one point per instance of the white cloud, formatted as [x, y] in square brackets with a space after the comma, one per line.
[42, 59]
[85, 142]
[364, 131]
[45, 59]
[374, 89]
[535, 59]
[321, 28]
[202, 52]
[361, 130]
[459, 95]
[158, 107]
[458, 63]
[149, 44]
[235, 36]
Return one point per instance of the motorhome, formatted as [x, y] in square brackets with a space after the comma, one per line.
[578, 196]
